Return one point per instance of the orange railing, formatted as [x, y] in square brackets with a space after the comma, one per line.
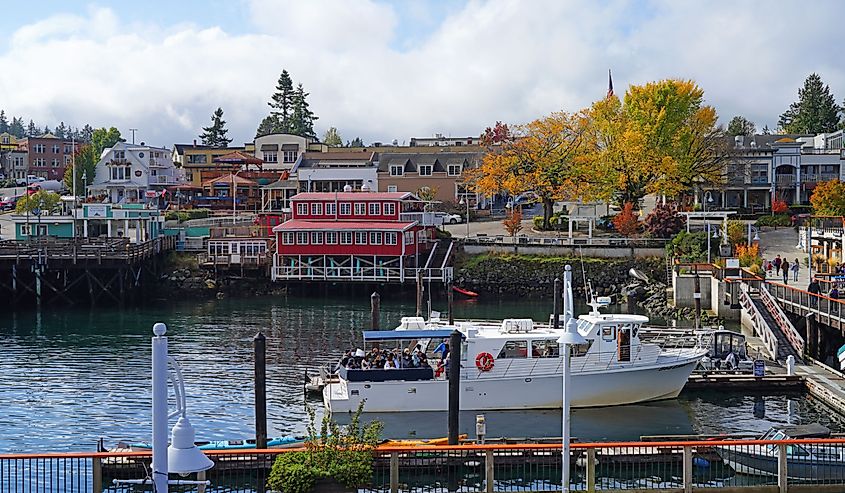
[815, 465]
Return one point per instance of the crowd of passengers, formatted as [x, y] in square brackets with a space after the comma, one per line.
[389, 359]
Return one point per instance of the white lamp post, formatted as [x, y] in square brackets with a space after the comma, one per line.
[462, 202]
[568, 338]
[756, 234]
[182, 456]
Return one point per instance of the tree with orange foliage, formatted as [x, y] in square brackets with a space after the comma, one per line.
[780, 206]
[513, 223]
[828, 198]
[545, 156]
[626, 222]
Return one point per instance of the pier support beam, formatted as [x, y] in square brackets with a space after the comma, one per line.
[375, 306]
[260, 346]
[454, 385]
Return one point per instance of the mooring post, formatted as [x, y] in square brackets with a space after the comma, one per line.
[419, 292]
[450, 297]
[260, 344]
[556, 305]
[810, 348]
[454, 385]
[696, 294]
[375, 306]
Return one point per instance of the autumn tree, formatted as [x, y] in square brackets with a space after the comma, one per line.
[828, 198]
[626, 222]
[513, 222]
[663, 221]
[427, 194]
[497, 134]
[545, 156]
[815, 111]
[739, 125]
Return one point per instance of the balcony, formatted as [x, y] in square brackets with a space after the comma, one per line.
[163, 180]
[785, 180]
[818, 177]
[157, 163]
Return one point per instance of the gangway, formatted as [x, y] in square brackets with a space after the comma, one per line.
[771, 324]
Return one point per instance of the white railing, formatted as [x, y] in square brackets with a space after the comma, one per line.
[566, 241]
[758, 323]
[792, 335]
[423, 218]
[301, 272]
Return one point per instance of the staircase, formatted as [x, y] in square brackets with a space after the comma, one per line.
[785, 349]
[440, 255]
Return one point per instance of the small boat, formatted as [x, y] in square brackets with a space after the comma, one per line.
[728, 352]
[249, 443]
[811, 461]
[465, 292]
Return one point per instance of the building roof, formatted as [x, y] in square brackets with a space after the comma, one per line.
[228, 179]
[303, 225]
[761, 142]
[281, 184]
[181, 148]
[337, 159]
[237, 157]
[352, 196]
[439, 161]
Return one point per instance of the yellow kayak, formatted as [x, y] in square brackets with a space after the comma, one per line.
[420, 443]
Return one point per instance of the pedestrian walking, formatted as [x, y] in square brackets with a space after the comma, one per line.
[777, 261]
[768, 268]
[784, 267]
[795, 268]
[814, 290]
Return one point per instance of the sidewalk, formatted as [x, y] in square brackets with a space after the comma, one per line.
[783, 241]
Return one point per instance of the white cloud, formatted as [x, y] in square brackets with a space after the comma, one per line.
[489, 60]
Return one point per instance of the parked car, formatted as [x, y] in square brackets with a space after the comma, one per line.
[448, 218]
[8, 203]
[526, 198]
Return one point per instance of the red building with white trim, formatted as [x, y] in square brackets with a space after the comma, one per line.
[355, 236]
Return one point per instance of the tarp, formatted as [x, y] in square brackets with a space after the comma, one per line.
[386, 335]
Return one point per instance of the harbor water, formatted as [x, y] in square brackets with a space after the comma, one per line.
[69, 376]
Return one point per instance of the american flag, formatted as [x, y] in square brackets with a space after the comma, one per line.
[609, 84]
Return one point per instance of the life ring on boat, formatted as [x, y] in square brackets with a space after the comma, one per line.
[484, 361]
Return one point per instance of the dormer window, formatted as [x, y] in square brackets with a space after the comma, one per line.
[454, 170]
[426, 169]
[397, 170]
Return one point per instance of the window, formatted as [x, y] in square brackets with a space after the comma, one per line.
[426, 169]
[360, 209]
[289, 152]
[5, 139]
[301, 209]
[547, 348]
[287, 238]
[390, 238]
[26, 229]
[409, 237]
[360, 238]
[197, 159]
[55, 163]
[345, 208]
[582, 349]
[41, 230]
[759, 173]
[302, 238]
[346, 237]
[67, 149]
[331, 208]
[514, 349]
[38, 148]
[392, 188]
[119, 154]
[271, 157]
[55, 148]
[331, 237]
[375, 209]
[397, 170]
[317, 209]
[316, 238]
[454, 170]
[375, 238]
[39, 162]
[389, 208]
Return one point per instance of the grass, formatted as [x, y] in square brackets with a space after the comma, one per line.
[472, 261]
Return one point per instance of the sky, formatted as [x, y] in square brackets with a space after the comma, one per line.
[384, 70]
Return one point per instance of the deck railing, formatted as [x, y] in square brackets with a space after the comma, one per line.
[603, 241]
[815, 466]
[364, 273]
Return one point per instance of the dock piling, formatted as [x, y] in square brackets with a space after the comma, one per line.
[556, 305]
[696, 294]
[450, 297]
[375, 307]
[260, 346]
[454, 385]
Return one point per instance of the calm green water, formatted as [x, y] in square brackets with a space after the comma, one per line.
[70, 376]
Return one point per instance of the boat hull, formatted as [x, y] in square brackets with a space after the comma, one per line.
[589, 389]
[766, 464]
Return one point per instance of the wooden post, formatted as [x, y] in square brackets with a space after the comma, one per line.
[810, 348]
[450, 297]
[489, 480]
[96, 475]
[375, 305]
[696, 294]
[591, 470]
[260, 345]
[782, 472]
[687, 469]
[394, 472]
[454, 385]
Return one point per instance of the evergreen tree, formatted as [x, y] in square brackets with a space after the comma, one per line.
[31, 129]
[86, 134]
[267, 126]
[4, 123]
[302, 118]
[46, 129]
[356, 142]
[282, 103]
[332, 138]
[16, 128]
[815, 111]
[215, 135]
[61, 131]
[766, 130]
[740, 125]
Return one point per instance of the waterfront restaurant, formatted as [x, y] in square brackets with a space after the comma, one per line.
[353, 236]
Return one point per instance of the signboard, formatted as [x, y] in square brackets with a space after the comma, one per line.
[150, 194]
[732, 263]
[96, 210]
[759, 368]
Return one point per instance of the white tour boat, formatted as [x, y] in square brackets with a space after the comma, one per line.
[516, 364]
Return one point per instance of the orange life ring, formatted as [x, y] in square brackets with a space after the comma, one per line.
[484, 361]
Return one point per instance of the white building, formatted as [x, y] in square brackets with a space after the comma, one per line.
[439, 140]
[133, 174]
[280, 152]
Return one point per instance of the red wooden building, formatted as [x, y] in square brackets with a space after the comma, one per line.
[356, 236]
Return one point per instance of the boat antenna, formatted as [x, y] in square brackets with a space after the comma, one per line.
[588, 289]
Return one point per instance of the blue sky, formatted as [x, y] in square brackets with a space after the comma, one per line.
[394, 70]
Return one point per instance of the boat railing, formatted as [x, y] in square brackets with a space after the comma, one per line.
[801, 466]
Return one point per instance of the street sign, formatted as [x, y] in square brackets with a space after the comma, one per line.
[759, 368]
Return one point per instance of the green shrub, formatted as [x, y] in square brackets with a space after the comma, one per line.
[690, 247]
[538, 222]
[197, 213]
[776, 220]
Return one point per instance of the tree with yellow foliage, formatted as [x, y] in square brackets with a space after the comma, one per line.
[828, 198]
[546, 156]
[662, 139]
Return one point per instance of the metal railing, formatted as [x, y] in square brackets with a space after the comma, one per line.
[793, 337]
[805, 301]
[305, 272]
[684, 466]
[617, 242]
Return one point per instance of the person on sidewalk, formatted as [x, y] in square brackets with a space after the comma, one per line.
[784, 267]
[777, 261]
[814, 289]
[795, 268]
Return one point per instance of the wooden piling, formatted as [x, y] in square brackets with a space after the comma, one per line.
[260, 346]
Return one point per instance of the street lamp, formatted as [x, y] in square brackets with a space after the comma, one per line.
[708, 199]
[568, 338]
[756, 234]
[85, 184]
[462, 202]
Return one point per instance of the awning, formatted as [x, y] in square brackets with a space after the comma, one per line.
[392, 335]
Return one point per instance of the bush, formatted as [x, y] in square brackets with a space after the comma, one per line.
[690, 247]
[186, 215]
[780, 207]
[776, 220]
[626, 222]
[538, 222]
[663, 222]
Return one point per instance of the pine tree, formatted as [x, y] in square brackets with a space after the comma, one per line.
[332, 138]
[815, 111]
[86, 134]
[16, 128]
[215, 135]
[4, 123]
[356, 142]
[31, 129]
[46, 129]
[740, 125]
[267, 126]
[766, 130]
[302, 118]
[282, 103]
[61, 131]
